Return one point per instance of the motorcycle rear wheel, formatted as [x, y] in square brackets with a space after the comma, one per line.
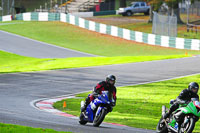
[99, 119]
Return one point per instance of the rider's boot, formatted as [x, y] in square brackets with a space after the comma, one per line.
[87, 102]
[179, 118]
[166, 115]
[84, 107]
[172, 109]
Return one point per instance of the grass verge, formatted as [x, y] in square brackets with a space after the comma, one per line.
[16, 63]
[10, 128]
[135, 23]
[140, 105]
[73, 37]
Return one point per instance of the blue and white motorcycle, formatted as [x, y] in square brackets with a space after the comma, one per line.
[97, 110]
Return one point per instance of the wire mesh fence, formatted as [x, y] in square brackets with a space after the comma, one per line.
[193, 13]
[190, 14]
[164, 25]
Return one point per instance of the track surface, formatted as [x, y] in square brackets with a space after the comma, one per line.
[28, 47]
[19, 89]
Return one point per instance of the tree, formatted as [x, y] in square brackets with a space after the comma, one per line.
[172, 4]
[122, 3]
[155, 5]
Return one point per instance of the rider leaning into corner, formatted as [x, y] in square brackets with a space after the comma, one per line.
[108, 85]
[183, 98]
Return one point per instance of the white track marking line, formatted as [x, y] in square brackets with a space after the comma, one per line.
[42, 99]
[46, 43]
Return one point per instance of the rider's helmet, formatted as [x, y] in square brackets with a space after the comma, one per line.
[194, 87]
[111, 79]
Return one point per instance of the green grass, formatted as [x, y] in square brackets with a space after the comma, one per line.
[68, 36]
[10, 128]
[108, 16]
[147, 27]
[135, 16]
[140, 105]
[16, 63]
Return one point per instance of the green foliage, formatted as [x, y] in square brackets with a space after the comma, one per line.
[171, 3]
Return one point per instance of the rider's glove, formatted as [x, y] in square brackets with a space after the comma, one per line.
[179, 101]
[95, 94]
[113, 104]
[187, 102]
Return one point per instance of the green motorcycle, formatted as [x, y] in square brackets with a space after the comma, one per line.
[189, 113]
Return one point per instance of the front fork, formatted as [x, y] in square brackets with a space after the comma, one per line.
[99, 110]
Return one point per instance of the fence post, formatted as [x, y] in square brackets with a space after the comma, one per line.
[45, 6]
[2, 4]
[50, 4]
[168, 25]
[13, 9]
[8, 7]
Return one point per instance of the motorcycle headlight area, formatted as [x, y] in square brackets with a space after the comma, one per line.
[197, 104]
[121, 9]
[103, 99]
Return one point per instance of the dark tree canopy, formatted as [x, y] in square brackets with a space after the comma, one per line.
[172, 4]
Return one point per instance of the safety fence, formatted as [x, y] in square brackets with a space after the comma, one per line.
[164, 25]
[36, 16]
[152, 39]
[6, 18]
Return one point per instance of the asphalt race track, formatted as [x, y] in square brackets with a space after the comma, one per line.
[27, 47]
[17, 90]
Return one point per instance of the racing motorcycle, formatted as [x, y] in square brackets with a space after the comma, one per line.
[188, 115]
[97, 109]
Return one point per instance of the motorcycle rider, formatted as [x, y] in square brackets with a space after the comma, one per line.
[183, 98]
[107, 85]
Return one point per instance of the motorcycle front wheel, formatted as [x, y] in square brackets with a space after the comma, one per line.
[99, 119]
[187, 127]
[81, 119]
[161, 127]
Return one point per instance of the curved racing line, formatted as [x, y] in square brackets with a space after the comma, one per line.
[47, 105]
